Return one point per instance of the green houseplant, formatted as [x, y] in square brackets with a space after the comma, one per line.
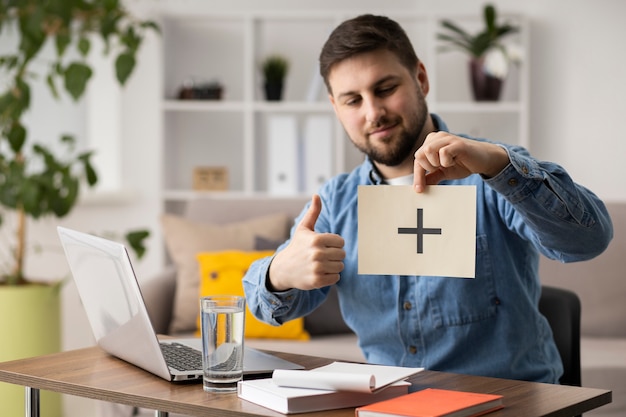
[274, 69]
[38, 180]
[489, 56]
[52, 188]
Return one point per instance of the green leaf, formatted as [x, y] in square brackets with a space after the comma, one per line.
[13, 103]
[62, 9]
[33, 36]
[108, 26]
[505, 30]
[52, 86]
[490, 18]
[46, 155]
[131, 39]
[62, 40]
[17, 137]
[8, 61]
[135, 240]
[84, 45]
[453, 27]
[22, 94]
[68, 140]
[124, 65]
[30, 197]
[65, 195]
[111, 4]
[90, 172]
[151, 25]
[6, 100]
[6, 108]
[77, 75]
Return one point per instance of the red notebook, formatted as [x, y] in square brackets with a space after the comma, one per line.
[433, 402]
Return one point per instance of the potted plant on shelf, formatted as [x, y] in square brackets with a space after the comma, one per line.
[37, 180]
[489, 56]
[274, 69]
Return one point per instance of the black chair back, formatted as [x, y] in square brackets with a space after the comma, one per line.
[562, 309]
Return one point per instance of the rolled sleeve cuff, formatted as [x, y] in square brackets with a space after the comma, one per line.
[276, 304]
[518, 179]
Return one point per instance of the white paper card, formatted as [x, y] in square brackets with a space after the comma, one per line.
[402, 232]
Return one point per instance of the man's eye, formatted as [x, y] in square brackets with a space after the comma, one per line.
[387, 90]
[352, 101]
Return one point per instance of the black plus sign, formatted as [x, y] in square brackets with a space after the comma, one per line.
[420, 231]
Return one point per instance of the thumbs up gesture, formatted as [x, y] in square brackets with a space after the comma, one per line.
[311, 260]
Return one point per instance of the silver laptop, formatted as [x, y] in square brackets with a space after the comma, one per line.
[112, 299]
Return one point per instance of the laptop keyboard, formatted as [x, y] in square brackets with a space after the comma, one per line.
[181, 357]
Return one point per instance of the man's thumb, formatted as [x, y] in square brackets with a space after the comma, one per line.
[309, 219]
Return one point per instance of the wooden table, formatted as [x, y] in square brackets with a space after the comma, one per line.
[94, 374]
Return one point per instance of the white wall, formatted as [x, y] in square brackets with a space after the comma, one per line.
[578, 94]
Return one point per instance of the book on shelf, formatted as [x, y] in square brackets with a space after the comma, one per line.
[433, 402]
[338, 385]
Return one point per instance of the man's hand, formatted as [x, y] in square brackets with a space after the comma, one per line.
[443, 156]
[310, 260]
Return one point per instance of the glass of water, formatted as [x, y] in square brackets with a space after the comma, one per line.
[222, 328]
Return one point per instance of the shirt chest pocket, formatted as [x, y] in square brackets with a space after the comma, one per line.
[461, 301]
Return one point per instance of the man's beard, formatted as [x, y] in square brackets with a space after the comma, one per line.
[398, 150]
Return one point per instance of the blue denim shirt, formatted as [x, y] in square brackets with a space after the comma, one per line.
[487, 326]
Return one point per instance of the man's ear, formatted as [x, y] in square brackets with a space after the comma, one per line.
[422, 78]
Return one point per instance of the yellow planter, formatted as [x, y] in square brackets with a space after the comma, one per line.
[29, 326]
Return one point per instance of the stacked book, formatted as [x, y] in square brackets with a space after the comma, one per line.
[338, 385]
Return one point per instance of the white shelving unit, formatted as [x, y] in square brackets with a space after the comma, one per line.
[231, 132]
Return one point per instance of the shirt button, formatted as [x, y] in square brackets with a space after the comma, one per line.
[513, 182]
[525, 170]
[412, 350]
[407, 305]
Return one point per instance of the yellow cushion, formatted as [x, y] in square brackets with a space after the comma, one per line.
[222, 273]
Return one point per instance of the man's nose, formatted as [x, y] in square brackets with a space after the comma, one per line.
[374, 111]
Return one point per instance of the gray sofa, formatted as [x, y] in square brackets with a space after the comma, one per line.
[599, 283]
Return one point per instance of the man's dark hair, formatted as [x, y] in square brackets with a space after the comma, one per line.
[366, 33]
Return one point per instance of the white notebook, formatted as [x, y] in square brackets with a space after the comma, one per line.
[344, 376]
